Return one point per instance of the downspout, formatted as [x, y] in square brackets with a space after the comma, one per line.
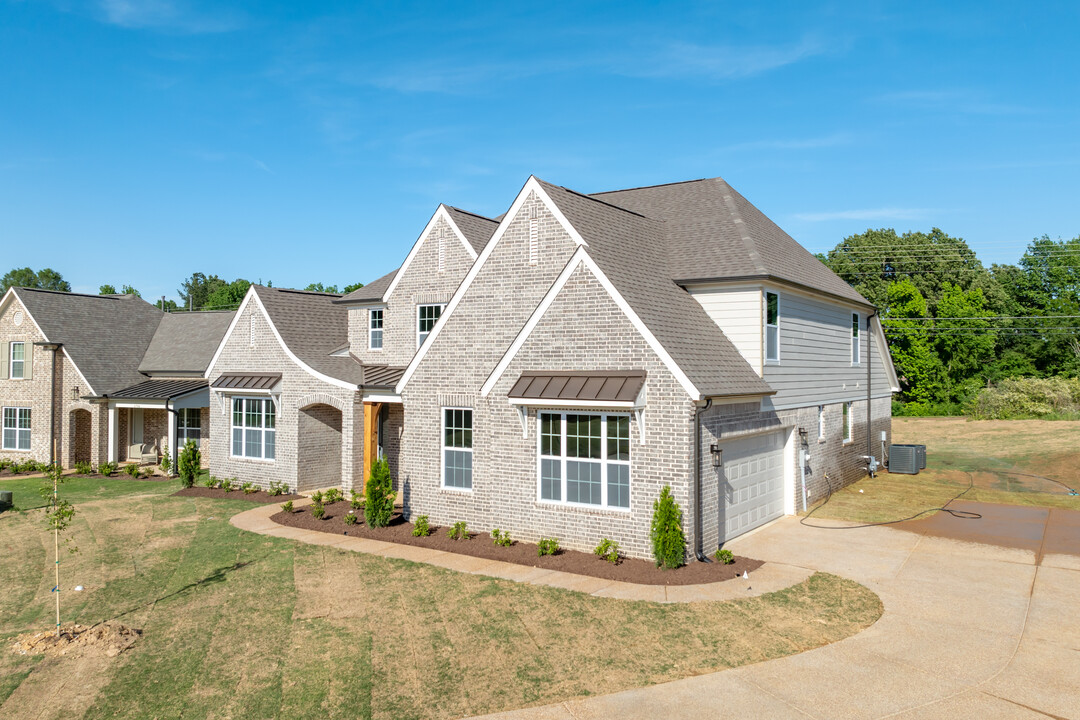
[174, 461]
[697, 480]
[52, 407]
[869, 401]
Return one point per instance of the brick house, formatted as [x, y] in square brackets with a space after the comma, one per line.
[101, 377]
[601, 347]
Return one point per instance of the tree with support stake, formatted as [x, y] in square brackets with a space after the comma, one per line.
[58, 515]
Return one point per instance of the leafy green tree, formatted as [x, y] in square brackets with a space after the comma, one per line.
[965, 341]
[128, 290]
[44, 279]
[107, 290]
[211, 292]
[319, 287]
[922, 376]
[349, 288]
[228, 295]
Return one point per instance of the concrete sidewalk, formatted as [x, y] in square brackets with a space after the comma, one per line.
[770, 577]
[969, 631]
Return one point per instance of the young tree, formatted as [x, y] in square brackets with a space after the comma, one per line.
[58, 516]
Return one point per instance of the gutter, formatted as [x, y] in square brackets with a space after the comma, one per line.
[869, 400]
[697, 480]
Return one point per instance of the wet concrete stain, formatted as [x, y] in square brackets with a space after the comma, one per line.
[1040, 530]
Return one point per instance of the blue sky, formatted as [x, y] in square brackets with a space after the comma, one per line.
[143, 140]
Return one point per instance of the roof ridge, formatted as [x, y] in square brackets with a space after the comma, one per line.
[294, 291]
[117, 296]
[659, 185]
[469, 212]
[598, 200]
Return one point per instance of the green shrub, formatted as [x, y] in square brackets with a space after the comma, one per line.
[724, 556]
[1022, 398]
[547, 546]
[189, 463]
[502, 539]
[287, 506]
[211, 481]
[106, 468]
[350, 518]
[460, 531]
[608, 550]
[277, 488]
[226, 484]
[249, 488]
[333, 495]
[132, 470]
[421, 527]
[317, 496]
[84, 468]
[166, 465]
[379, 496]
[4, 463]
[317, 510]
[668, 541]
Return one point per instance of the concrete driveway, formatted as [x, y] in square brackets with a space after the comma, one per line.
[969, 631]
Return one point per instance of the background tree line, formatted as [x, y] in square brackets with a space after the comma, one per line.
[198, 292]
[954, 326]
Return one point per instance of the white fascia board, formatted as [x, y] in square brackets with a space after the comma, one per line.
[582, 258]
[381, 397]
[581, 404]
[229, 332]
[441, 212]
[144, 404]
[531, 186]
[883, 353]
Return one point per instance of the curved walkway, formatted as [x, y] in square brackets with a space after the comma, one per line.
[969, 631]
[770, 577]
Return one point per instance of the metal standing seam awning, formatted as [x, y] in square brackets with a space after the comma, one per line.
[581, 389]
[259, 383]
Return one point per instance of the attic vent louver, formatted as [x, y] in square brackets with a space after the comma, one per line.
[534, 238]
[442, 250]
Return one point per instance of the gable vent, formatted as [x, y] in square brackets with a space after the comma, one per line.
[442, 250]
[534, 241]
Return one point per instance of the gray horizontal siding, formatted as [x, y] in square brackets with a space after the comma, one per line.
[815, 355]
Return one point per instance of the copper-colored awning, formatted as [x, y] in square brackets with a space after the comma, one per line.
[248, 381]
[615, 386]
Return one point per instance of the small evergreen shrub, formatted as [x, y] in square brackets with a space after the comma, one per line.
[108, 468]
[249, 488]
[287, 506]
[277, 488]
[332, 495]
[725, 556]
[132, 470]
[547, 546]
[83, 468]
[608, 550]
[668, 540]
[379, 496]
[4, 463]
[317, 510]
[166, 464]
[226, 484]
[421, 528]
[502, 539]
[460, 531]
[317, 496]
[350, 518]
[211, 481]
[189, 463]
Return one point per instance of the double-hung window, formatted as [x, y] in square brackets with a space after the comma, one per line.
[772, 327]
[854, 338]
[375, 328]
[16, 428]
[253, 428]
[18, 361]
[188, 427]
[585, 459]
[847, 422]
[426, 317]
[457, 448]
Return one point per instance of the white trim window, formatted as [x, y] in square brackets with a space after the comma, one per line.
[854, 338]
[772, 327]
[253, 428]
[16, 428]
[18, 360]
[375, 328]
[847, 422]
[188, 427]
[584, 459]
[426, 317]
[821, 422]
[457, 454]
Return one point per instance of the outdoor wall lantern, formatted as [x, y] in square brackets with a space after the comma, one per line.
[803, 433]
[717, 455]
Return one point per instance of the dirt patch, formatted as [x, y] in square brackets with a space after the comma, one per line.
[262, 497]
[108, 639]
[519, 553]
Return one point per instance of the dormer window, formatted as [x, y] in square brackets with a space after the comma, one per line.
[772, 327]
[375, 329]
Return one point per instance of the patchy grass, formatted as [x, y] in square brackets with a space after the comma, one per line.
[985, 453]
[238, 625]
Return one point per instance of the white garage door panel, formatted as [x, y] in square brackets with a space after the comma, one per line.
[752, 483]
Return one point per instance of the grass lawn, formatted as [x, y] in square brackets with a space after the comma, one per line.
[988, 449]
[238, 625]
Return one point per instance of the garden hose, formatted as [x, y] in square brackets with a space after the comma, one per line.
[962, 514]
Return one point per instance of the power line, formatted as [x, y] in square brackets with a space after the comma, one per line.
[886, 318]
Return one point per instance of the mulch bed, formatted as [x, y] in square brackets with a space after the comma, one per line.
[520, 553]
[119, 476]
[262, 497]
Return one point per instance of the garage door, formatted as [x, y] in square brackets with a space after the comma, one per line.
[751, 483]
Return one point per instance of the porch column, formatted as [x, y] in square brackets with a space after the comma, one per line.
[371, 429]
[173, 458]
[114, 427]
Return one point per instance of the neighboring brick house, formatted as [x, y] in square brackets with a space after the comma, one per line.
[125, 383]
[321, 368]
[603, 346]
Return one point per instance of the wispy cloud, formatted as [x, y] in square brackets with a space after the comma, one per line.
[811, 143]
[969, 102]
[167, 15]
[885, 213]
[718, 62]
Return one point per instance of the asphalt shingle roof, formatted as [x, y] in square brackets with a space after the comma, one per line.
[312, 326]
[632, 252]
[477, 229]
[372, 292]
[185, 342]
[105, 336]
[714, 233]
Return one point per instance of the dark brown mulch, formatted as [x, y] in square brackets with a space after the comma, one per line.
[262, 497]
[119, 476]
[520, 553]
